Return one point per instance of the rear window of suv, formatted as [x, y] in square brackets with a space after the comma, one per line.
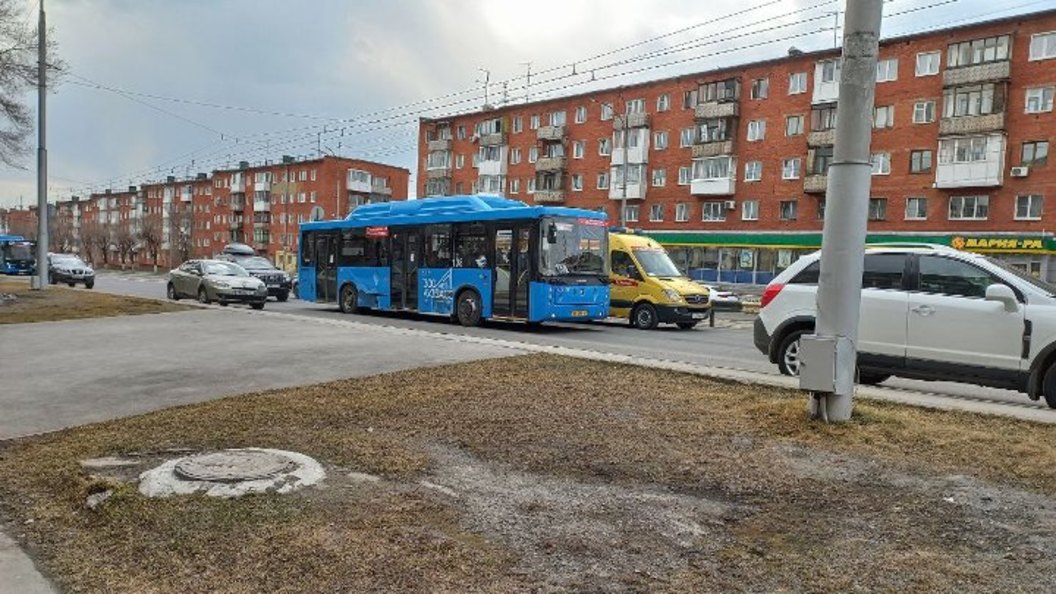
[882, 271]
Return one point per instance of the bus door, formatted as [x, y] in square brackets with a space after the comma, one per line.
[326, 267]
[512, 270]
[406, 259]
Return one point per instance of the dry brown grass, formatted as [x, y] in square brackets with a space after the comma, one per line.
[881, 479]
[62, 303]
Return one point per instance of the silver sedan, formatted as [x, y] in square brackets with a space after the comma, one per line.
[216, 280]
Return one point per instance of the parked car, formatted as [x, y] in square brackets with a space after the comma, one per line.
[279, 283]
[216, 280]
[722, 298]
[70, 269]
[931, 313]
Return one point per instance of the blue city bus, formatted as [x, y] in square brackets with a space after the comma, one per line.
[468, 257]
[17, 256]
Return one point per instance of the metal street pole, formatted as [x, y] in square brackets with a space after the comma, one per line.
[829, 357]
[41, 279]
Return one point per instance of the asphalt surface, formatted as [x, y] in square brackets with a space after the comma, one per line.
[728, 345]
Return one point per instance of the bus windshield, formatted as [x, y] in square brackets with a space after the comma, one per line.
[571, 246]
[656, 262]
[18, 251]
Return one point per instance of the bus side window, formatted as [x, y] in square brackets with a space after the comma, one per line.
[438, 246]
[307, 245]
[377, 252]
[471, 243]
[353, 248]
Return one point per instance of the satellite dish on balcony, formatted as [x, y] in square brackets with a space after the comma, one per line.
[316, 214]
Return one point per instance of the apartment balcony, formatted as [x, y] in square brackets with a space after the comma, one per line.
[635, 191]
[631, 120]
[358, 180]
[261, 206]
[993, 122]
[496, 139]
[713, 148]
[443, 144]
[722, 186]
[550, 164]
[381, 190]
[815, 184]
[262, 186]
[549, 196]
[822, 137]
[979, 73]
[491, 167]
[186, 196]
[980, 174]
[238, 203]
[716, 109]
[438, 172]
[238, 185]
[550, 133]
[635, 155]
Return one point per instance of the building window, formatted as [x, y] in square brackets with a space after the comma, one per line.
[533, 154]
[881, 163]
[969, 207]
[557, 118]
[920, 161]
[1043, 46]
[659, 178]
[630, 213]
[750, 210]
[1028, 208]
[928, 63]
[685, 139]
[712, 168]
[660, 140]
[884, 116]
[713, 212]
[923, 112]
[663, 102]
[302, 175]
[656, 213]
[579, 148]
[878, 209]
[830, 71]
[756, 130]
[753, 171]
[1039, 99]
[531, 185]
[681, 212]
[460, 161]
[978, 51]
[689, 99]
[461, 132]
[577, 182]
[605, 147]
[518, 125]
[790, 168]
[606, 112]
[313, 175]
[797, 83]
[533, 122]
[823, 118]
[715, 130]
[760, 88]
[822, 158]
[312, 197]
[515, 155]
[684, 175]
[793, 125]
[887, 70]
[635, 106]
[515, 186]
[1035, 153]
[970, 149]
[603, 180]
[787, 210]
[916, 209]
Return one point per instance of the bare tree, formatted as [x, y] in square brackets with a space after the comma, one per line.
[150, 236]
[125, 241]
[96, 235]
[181, 240]
[61, 235]
[18, 75]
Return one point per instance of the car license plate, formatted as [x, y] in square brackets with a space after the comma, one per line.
[699, 316]
[579, 313]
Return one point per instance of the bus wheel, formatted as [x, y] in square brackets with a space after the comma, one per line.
[349, 301]
[468, 308]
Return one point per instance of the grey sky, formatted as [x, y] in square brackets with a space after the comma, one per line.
[371, 67]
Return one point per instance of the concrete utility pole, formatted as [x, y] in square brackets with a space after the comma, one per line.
[829, 356]
[41, 279]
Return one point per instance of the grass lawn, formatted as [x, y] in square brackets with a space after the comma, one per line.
[61, 303]
[547, 473]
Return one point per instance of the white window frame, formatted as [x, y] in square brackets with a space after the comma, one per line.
[759, 89]
[686, 137]
[756, 130]
[660, 140]
[924, 112]
[577, 182]
[753, 167]
[518, 124]
[533, 154]
[630, 213]
[635, 106]
[1039, 99]
[558, 118]
[604, 147]
[606, 112]
[460, 161]
[884, 116]
[1031, 200]
[534, 121]
[881, 163]
[685, 174]
[603, 180]
[581, 114]
[1043, 46]
[985, 201]
[713, 211]
[579, 149]
[663, 102]
[798, 129]
[681, 212]
[656, 213]
[515, 155]
[887, 70]
[781, 213]
[877, 209]
[659, 178]
[750, 210]
[797, 83]
[515, 185]
[794, 172]
[932, 61]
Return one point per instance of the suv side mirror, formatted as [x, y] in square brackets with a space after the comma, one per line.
[1002, 294]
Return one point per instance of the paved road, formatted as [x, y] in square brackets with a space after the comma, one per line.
[729, 344]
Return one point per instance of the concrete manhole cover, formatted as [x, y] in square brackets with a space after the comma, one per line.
[232, 473]
[233, 466]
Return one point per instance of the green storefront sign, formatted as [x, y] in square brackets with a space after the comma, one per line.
[971, 242]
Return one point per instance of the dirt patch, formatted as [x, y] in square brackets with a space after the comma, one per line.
[550, 474]
[62, 303]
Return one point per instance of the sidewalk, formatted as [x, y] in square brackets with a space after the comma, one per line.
[17, 573]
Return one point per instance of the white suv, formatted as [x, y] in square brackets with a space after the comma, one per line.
[928, 312]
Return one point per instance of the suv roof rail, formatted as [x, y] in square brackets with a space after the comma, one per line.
[910, 245]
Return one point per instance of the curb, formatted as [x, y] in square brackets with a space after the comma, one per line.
[17, 572]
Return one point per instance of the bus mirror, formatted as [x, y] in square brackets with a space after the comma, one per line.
[551, 233]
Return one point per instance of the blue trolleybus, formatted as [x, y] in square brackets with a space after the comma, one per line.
[17, 256]
[468, 257]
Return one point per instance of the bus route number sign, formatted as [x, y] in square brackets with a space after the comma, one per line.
[377, 232]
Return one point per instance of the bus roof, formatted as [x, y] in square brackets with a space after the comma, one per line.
[12, 238]
[452, 209]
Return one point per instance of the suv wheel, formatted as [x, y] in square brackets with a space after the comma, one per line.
[1048, 386]
[171, 291]
[788, 353]
[283, 296]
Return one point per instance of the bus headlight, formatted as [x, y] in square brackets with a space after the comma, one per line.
[672, 296]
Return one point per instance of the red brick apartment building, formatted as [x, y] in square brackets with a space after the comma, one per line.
[728, 167]
[262, 205]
